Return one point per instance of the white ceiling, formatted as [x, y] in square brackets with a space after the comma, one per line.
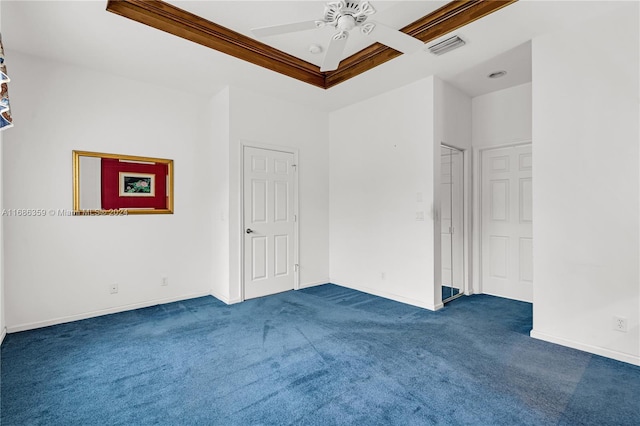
[85, 34]
[516, 62]
[246, 15]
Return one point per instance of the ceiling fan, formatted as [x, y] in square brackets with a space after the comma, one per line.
[345, 16]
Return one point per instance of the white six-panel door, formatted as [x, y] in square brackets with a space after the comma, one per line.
[507, 255]
[269, 222]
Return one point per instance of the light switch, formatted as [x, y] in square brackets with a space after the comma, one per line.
[420, 216]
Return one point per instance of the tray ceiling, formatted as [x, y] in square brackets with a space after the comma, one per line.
[286, 53]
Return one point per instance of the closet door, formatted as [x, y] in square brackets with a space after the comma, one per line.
[507, 257]
[451, 219]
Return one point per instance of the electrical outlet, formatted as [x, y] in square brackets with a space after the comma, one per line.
[113, 288]
[620, 324]
[165, 281]
[383, 275]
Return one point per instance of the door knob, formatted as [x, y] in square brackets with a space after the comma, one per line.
[249, 230]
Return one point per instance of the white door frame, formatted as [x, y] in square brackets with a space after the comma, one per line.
[477, 209]
[296, 210]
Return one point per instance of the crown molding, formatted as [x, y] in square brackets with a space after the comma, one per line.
[173, 20]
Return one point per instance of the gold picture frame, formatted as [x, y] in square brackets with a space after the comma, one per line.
[100, 184]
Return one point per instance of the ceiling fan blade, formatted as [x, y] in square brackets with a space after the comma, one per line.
[333, 56]
[287, 28]
[393, 38]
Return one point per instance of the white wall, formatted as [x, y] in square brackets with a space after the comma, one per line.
[385, 171]
[265, 120]
[59, 268]
[502, 117]
[455, 107]
[219, 119]
[499, 118]
[381, 157]
[586, 191]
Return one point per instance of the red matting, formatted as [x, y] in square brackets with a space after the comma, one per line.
[111, 198]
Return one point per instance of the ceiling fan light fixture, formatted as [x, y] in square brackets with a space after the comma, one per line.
[346, 23]
[344, 16]
[447, 45]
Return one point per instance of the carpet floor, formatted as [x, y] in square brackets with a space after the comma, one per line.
[320, 356]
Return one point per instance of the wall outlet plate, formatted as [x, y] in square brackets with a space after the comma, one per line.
[164, 281]
[620, 324]
[113, 288]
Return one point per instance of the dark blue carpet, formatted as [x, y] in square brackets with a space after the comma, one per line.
[320, 356]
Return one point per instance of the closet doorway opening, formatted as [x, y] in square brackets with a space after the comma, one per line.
[452, 222]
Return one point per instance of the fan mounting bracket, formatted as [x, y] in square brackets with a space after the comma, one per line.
[343, 11]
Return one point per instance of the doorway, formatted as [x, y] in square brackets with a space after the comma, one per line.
[452, 222]
[269, 219]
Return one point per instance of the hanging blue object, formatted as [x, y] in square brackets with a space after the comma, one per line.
[5, 111]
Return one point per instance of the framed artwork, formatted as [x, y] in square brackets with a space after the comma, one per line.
[136, 184]
[104, 183]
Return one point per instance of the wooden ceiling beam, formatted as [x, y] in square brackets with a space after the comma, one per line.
[173, 20]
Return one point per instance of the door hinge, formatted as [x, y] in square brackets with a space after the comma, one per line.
[295, 217]
[295, 167]
[451, 230]
[296, 267]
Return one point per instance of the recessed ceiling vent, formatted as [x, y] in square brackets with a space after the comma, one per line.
[446, 45]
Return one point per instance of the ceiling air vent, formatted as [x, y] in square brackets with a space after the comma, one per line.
[446, 45]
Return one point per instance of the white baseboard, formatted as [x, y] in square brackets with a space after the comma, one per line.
[3, 333]
[307, 285]
[608, 353]
[228, 301]
[98, 313]
[225, 299]
[395, 297]
[220, 297]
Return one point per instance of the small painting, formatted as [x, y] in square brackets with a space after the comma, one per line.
[137, 184]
